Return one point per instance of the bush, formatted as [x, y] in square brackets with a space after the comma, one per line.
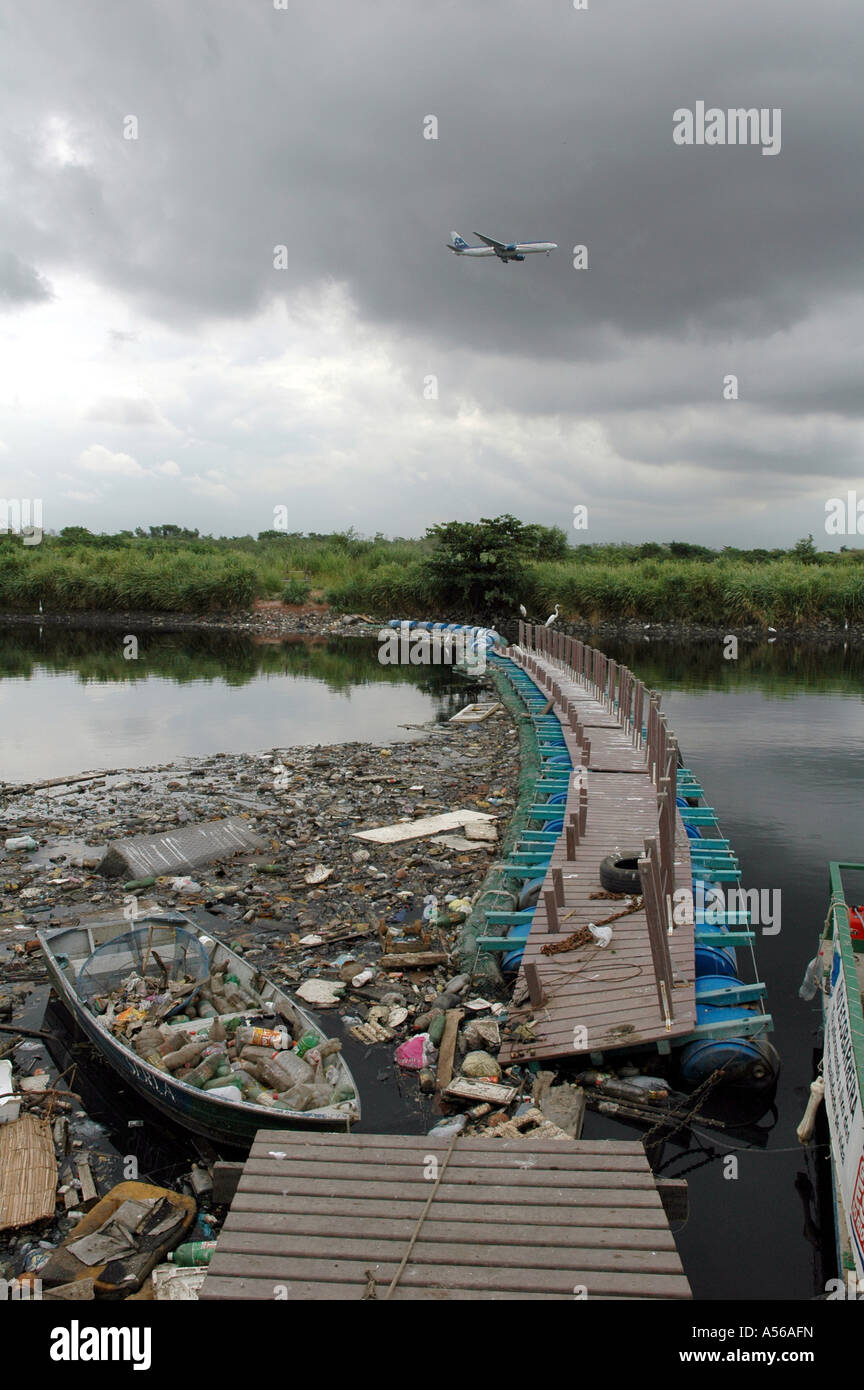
[295, 591]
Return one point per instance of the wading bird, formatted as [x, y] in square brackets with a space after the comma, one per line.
[552, 616]
[523, 610]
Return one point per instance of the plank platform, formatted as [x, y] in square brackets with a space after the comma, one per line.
[599, 999]
[331, 1216]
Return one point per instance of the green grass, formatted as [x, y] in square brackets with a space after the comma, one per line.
[295, 591]
[385, 578]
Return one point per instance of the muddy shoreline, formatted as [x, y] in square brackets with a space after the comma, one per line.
[276, 620]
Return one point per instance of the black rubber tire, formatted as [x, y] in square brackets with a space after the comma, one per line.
[619, 873]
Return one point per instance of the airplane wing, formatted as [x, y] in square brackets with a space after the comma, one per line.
[497, 245]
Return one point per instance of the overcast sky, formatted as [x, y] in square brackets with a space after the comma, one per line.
[155, 366]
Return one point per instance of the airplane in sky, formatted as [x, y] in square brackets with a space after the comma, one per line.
[514, 251]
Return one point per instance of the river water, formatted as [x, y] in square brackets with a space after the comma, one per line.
[71, 702]
[776, 739]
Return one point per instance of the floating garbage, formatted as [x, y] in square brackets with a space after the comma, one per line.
[481, 1064]
[319, 874]
[414, 1053]
[325, 994]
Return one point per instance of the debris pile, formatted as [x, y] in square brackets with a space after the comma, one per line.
[219, 1036]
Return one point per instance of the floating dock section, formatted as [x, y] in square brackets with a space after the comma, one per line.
[371, 1216]
[610, 784]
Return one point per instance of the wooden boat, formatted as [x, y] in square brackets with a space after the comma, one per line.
[837, 974]
[70, 953]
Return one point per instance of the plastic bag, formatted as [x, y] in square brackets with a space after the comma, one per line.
[602, 935]
[414, 1053]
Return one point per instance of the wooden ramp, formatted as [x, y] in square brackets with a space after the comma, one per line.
[599, 999]
[333, 1216]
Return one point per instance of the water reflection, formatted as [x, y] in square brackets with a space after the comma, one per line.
[73, 702]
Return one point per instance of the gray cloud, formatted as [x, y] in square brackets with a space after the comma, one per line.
[260, 127]
[20, 283]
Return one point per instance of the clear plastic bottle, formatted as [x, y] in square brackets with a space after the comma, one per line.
[273, 1038]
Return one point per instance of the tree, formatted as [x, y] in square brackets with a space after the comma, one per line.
[545, 542]
[476, 566]
[805, 551]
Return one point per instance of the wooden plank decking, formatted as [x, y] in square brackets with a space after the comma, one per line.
[602, 998]
[331, 1216]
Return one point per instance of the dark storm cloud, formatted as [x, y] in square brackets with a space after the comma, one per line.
[259, 127]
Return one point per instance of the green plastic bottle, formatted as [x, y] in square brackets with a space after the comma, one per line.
[308, 1041]
[194, 1252]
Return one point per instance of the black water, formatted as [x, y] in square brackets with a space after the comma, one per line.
[776, 739]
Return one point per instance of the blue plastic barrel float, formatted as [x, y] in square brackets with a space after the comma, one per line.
[744, 1061]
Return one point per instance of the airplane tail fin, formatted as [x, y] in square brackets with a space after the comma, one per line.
[457, 242]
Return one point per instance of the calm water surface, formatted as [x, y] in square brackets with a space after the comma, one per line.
[777, 741]
[70, 702]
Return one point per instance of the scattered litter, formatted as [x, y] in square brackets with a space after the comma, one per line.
[28, 1172]
[463, 1088]
[452, 1124]
[485, 833]
[183, 850]
[370, 1033]
[324, 993]
[602, 935]
[417, 829]
[172, 1283]
[476, 713]
[481, 1064]
[531, 1124]
[319, 874]
[414, 1053]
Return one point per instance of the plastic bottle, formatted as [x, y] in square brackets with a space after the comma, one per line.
[227, 1091]
[810, 983]
[21, 842]
[308, 1040]
[204, 1071]
[184, 1055]
[272, 1038]
[286, 1069]
[304, 1097]
[256, 1055]
[194, 1252]
[148, 1040]
[205, 1225]
[248, 1084]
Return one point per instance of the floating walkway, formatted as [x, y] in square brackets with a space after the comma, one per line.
[610, 784]
[362, 1216]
